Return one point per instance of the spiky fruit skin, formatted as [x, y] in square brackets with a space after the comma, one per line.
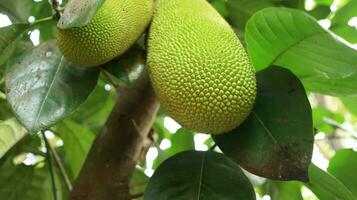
[198, 67]
[115, 27]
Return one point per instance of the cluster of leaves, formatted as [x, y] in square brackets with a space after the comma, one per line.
[43, 91]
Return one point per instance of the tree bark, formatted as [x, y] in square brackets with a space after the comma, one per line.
[111, 161]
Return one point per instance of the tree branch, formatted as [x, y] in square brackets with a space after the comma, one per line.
[111, 161]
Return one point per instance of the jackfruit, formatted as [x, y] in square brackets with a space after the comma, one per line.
[114, 28]
[198, 68]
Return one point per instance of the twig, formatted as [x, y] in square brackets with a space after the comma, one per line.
[60, 166]
[135, 196]
[340, 126]
[56, 7]
[109, 77]
[50, 166]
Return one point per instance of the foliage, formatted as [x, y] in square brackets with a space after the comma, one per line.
[307, 80]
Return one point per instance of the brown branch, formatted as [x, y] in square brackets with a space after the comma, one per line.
[111, 161]
[118, 87]
[56, 7]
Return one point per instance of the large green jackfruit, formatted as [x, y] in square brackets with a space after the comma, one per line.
[115, 27]
[198, 67]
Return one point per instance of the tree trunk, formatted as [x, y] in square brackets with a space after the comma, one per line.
[111, 161]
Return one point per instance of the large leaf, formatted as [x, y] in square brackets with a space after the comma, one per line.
[9, 38]
[25, 182]
[31, 182]
[276, 140]
[79, 13]
[93, 113]
[77, 141]
[43, 87]
[293, 39]
[343, 167]
[199, 175]
[241, 10]
[339, 23]
[326, 186]
[10, 133]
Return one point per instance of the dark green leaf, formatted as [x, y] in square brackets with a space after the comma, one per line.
[241, 10]
[43, 87]
[343, 167]
[275, 36]
[79, 13]
[221, 7]
[276, 140]
[199, 175]
[93, 113]
[320, 12]
[77, 141]
[31, 182]
[11, 132]
[9, 38]
[25, 182]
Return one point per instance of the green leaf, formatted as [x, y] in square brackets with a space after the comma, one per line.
[328, 184]
[30, 182]
[324, 2]
[276, 140]
[78, 13]
[221, 7]
[25, 182]
[274, 37]
[138, 182]
[10, 133]
[199, 175]
[321, 115]
[44, 88]
[343, 166]
[182, 140]
[241, 10]
[339, 23]
[351, 104]
[320, 12]
[77, 141]
[17, 10]
[93, 113]
[279, 190]
[9, 39]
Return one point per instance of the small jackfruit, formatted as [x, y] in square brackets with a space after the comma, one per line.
[114, 28]
[198, 67]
